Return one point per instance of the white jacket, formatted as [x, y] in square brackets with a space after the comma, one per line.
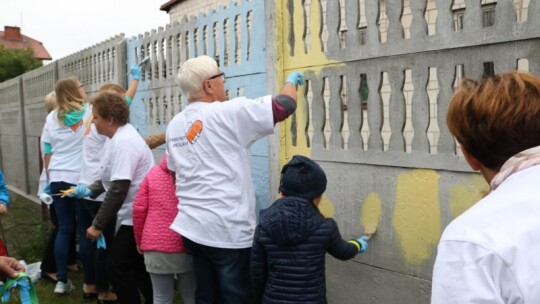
[491, 253]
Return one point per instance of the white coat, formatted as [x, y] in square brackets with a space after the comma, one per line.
[491, 253]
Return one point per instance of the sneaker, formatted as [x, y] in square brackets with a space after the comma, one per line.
[64, 288]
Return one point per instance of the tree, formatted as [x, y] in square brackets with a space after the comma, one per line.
[15, 62]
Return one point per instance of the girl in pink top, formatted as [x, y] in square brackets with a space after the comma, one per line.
[165, 257]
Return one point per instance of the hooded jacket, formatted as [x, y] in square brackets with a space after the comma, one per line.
[154, 209]
[288, 254]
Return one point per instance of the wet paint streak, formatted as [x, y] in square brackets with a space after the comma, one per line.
[417, 219]
[371, 211]
[463, 196]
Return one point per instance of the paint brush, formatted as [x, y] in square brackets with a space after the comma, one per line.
[142, 63]
[370, 230]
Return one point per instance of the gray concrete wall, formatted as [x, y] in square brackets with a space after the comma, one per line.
[390, 159]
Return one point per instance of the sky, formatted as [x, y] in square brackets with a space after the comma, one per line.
[67, 26]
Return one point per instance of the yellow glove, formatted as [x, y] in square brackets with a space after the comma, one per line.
[69, 192]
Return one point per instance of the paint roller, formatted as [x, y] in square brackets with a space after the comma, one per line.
[143, 63]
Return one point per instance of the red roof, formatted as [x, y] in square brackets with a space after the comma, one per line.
[12, 38]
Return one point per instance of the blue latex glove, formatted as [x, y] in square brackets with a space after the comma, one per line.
[136, 72]
[363, 240]
[47, 188]
[80, 191]
[296, 78]
[101, 242]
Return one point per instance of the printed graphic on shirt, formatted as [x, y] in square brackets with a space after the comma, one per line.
[193, 131]
[76, 126]
[191, 134]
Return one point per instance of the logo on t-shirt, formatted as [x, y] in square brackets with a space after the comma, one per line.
[193, 131]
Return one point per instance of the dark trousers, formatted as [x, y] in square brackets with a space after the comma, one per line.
[127, 270]
[98, 257]
[67, 210]
[48, 264]
[222, 274]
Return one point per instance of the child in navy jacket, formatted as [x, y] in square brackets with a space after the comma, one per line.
[293, 237]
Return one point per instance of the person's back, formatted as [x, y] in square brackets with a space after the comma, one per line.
[293, 237]
[215, 172]
[208, 149]
[489, 253]
[499, 235]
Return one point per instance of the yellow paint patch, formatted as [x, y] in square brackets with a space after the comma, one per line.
[462, 197]
[315, 54]
[326, 207]
[313, 61]
[417, 219]
[371, 212]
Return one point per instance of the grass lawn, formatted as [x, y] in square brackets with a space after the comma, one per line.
[25, 235]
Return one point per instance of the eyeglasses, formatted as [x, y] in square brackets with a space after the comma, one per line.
[217, 75]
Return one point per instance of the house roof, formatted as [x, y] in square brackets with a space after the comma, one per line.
[12, 38]
[167, 6]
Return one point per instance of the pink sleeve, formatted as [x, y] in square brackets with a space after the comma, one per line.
[140, 210]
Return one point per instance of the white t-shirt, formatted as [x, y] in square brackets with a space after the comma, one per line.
[66, 144]
[208, 146]
[490, 254]
[127, 158]
[94, 147]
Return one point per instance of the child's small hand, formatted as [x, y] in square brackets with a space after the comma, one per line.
[363, 240]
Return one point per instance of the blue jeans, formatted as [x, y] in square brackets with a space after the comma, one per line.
[67, 209]
[222, 274]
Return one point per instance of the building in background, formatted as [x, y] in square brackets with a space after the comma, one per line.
[177, 9]
[11, 38]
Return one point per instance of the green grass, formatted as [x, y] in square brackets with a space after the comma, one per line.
[26, 235]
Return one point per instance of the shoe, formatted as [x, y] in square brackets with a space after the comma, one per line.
[89, 295]
[64, 288]
[48, 276]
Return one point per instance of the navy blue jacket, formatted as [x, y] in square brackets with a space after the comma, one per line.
[289, 248]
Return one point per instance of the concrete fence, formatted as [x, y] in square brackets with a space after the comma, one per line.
[379, 75]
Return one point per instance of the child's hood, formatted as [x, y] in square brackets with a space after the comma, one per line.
[290, 220]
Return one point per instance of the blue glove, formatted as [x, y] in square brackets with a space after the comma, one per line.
[136, 72]
[296, 79]
[47, 188]
[101, 242]
[363, 240]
